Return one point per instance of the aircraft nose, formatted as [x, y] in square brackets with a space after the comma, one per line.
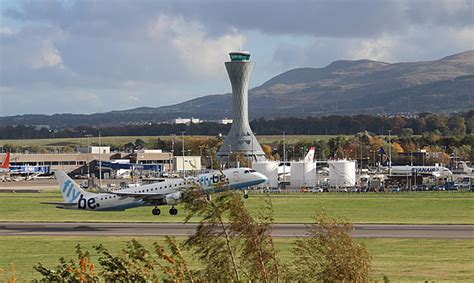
[262, 177]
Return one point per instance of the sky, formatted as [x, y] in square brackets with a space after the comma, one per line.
[68, 56]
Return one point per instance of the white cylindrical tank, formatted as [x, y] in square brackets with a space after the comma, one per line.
[342, 173]
[269, 169]
[303, 174]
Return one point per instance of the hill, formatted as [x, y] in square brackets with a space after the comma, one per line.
[342, 87]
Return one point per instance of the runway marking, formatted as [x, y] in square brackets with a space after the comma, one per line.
[180, 229]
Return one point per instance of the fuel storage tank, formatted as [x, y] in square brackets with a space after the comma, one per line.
[342, 173]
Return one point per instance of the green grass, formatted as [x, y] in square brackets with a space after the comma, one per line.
[78, 141]
[120, 140]
[399, 259]
[403, 208]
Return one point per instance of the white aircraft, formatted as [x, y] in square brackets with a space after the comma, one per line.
[466, 168]
[436, 171]
[5, 166]
[170, 192]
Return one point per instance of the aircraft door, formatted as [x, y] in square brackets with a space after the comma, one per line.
[236, 176]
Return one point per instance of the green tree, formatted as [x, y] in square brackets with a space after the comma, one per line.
[457, 125]
[406, 133]
[232, 244]
[329, 254]
[140, 144]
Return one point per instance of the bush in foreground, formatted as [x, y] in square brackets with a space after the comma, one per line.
[230, 244]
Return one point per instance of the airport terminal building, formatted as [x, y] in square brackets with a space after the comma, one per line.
[86, 160]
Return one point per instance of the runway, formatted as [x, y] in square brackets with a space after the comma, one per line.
[179, 229]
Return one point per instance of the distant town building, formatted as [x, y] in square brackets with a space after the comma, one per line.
[39, 127]
[186, 120]
[225, 121]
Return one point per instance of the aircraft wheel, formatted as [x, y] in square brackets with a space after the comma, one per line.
[156, 211]
[246, 196]
[173, 211]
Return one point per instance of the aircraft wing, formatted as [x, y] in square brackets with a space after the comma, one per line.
[148, 195]
[62, 204]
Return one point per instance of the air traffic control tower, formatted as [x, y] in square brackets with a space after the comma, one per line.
[240, 140]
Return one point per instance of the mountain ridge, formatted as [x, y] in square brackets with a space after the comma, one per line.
[343, 86]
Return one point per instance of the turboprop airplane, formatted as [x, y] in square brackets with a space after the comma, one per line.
[169, 192]
[5, 166]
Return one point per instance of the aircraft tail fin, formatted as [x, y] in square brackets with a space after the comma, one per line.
[70, 191]
[310, 156]
[465, 167]
[6, 162]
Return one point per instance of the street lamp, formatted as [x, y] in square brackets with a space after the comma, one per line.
[230, 155]
[284, 160]
[182, 136]
[210, 157]
[390, 152]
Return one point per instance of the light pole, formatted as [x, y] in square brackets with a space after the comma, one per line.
[200, 154]
[100, 162]
[389, 152]
[184, 172]
[172, 150]
[210, 157]
[88, 155]
[230, 155]
[284, 161]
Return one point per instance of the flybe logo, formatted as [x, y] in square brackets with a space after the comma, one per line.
[209, 180]
[69, 192]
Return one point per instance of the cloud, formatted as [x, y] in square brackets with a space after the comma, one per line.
[379, 49]
[201, 54]
[152, 53]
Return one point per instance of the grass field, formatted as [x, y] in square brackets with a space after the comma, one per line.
[120, 140]
[403, 208]
[399, 259]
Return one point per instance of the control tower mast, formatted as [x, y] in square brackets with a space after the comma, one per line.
[240, 140]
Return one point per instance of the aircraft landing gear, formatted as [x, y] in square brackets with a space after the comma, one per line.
[246, 194]
[173, 211]
[156, 211]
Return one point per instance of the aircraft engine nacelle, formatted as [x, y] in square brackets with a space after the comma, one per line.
[174, 198]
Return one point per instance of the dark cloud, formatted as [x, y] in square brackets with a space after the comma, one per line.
[344, 18]
[156, 52]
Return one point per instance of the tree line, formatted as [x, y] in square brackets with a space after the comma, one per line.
[445, 125]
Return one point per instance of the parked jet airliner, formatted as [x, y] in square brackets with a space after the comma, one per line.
[436, 171]
[170, 192]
